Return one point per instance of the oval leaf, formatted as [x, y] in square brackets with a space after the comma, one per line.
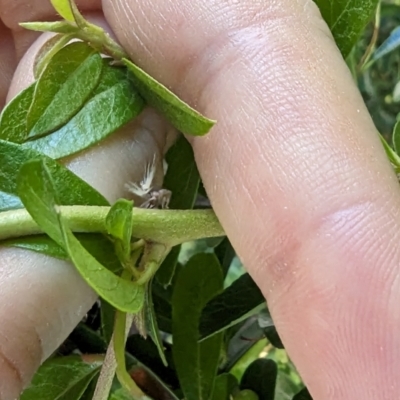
[96, 244]
[64, 86]
[63, 378]
[119, 226]
[346, 19]
[57, 27]
[182, 179]
[225, 385]
[63, 7]
[225, 253]
[38, 193]
[246, 395]
[237, 302]
[304, 394]
[152, 324]
[196, 363]
[260, 377]
[114, 103]
[267, 325]
[120, 394]
[71, 189]
[13, 118]
[396, 138]
[391, 154]
[47, 52]
[180, 114]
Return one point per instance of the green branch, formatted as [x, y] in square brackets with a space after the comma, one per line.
[170, 227]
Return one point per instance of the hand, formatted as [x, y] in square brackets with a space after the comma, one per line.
[295, 172]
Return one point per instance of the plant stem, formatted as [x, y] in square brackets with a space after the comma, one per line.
[170, 227]
[154, 255]
[96, 36]
[123, 323]
[106, 377]
[364, 63]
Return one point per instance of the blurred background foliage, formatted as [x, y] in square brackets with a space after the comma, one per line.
[379, 78]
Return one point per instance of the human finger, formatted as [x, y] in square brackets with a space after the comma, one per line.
[42, 299]
[295, 172]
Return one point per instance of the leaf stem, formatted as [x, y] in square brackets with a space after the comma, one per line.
[154, 255]
[96, 36]
[170, 227]
[365, 62]
[106, 377]
[122, 325]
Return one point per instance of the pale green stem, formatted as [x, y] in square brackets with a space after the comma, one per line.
[154, 254]
[96, 36]
[135, 254]
[365, 62]
[170, 227]
[107, 373]
[123, 323]
[114, 362]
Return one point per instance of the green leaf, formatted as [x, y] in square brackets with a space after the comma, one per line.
[107, 312]
[273, 337]
[96, 244]
[119, 226]
[13, 118]
[225, 253]
[38, 193]
[181, 115]
[303, 395]
[267, 325]
[41, 244]
[112, 104]
[347, 19]
[246, 395]
[63, 88]
[89, 392]
[47, 52]
[240, 353]
[57, 27]
[87, 340]
[70, 188]
[63, 7]
[163, 311]
[182, 179]
[391, 154]
[167, 269]
[237, 302]
[152, 324]
[120, 394]
[81, 21]
[396, 144]
[225, 385]
[196, 363]
[260, 377]
[63, 378]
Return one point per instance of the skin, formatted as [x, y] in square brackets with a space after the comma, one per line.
[294, 170]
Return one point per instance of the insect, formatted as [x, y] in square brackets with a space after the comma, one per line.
[153, 196]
